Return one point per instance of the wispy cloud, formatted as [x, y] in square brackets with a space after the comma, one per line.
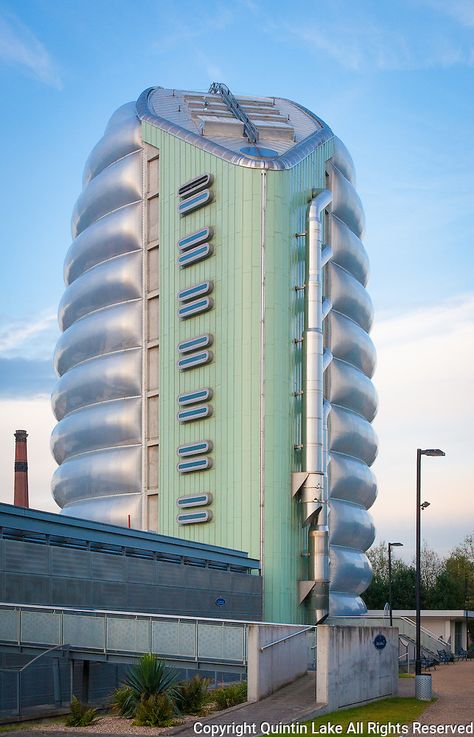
[363, 36]
[23, 377]
[178, 33]
[370, 45]
[462, 11]
[26, 348]
[451, 316]
[20, 47]
[188, 38]
[354, 49]
[250, 5]
[32, 337]
[424, 381]
[212, 70]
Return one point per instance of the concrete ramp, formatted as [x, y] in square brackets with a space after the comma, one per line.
[293, 703]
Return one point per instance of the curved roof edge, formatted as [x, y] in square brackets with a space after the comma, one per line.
[288, 160]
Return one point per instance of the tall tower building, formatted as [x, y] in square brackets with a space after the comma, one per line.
[215, 361]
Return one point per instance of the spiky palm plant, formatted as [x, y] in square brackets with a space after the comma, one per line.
[148, 677]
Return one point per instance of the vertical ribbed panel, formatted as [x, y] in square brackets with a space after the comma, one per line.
[97, 400]
[288, 195]
[347, 386]
[233, 375]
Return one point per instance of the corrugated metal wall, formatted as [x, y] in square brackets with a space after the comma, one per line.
[33, 573]
[288, 195]
[235, 374]
[234, 323]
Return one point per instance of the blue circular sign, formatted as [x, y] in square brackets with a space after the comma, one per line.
[380, 642]
[220, 601]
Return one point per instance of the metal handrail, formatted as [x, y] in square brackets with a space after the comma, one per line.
[101, 643]
[287, 637]
[405, 656]
[146, 615]
[64, 647]
[18, 673]
[427, 632]
[219, 88]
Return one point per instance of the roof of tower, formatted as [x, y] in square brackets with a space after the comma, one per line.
[257, 132]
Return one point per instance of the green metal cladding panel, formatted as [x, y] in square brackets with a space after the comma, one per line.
[234, 322]
[288, 195]
[235, 374]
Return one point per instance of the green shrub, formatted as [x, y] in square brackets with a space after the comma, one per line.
[81, 714]
[232, 695]
[155, 711]
[150, 676]
[124, 701]
[193, 695]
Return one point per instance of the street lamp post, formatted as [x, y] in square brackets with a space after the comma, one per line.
[390, 546]
[419, 507]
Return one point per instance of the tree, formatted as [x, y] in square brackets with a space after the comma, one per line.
[466, 548]
[403, 581]
[460, 567]
[445, 584]
[377, 593]
[403, 585]
[431, 566]
[378, 556]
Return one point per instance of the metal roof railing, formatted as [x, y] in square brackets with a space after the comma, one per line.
[219, 88]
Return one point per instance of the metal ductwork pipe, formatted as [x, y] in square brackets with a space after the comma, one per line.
[314, 488]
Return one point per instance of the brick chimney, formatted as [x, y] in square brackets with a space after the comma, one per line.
[20, 498]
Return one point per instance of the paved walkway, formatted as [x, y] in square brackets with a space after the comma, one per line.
[453, 685]
[296, 702]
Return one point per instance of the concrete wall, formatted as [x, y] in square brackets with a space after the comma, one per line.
[350, 669]
[272, 667]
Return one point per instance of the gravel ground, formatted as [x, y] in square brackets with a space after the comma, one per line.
[108, 725]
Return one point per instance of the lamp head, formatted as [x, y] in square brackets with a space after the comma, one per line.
[433, 452]
[424, 505]
[395, 545]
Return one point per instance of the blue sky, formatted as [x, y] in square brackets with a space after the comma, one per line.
[393, 80]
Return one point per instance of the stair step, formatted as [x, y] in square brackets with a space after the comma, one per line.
[279, 131]
[210, 112]
[251, 109]
[193, 105]
[255, 101]
[277, 118]
[219, 126]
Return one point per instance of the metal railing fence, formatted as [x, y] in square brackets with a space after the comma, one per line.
[176, 638]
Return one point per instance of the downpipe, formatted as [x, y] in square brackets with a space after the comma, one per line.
[314, 491]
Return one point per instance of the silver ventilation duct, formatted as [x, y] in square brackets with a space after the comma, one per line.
[314, 488]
